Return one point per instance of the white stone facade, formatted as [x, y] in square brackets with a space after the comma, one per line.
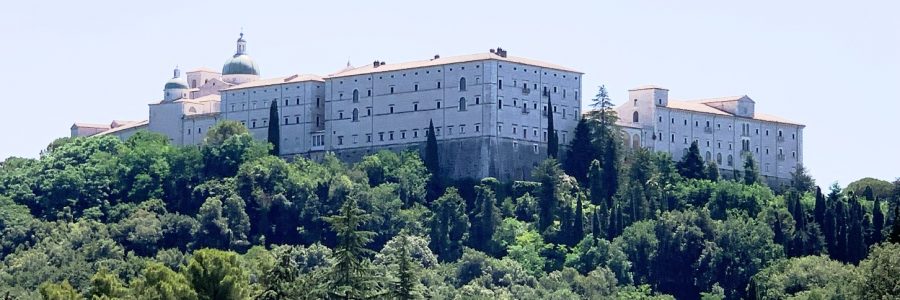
[725, 129]
[489, 111]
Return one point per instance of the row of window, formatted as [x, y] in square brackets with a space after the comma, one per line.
[233, 94]
[287, 102]
[414, 133]
[341, 82]
[745, 128]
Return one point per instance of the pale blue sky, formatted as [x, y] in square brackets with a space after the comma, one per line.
[832, 65]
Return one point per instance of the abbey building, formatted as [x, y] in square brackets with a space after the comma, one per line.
[489, 110]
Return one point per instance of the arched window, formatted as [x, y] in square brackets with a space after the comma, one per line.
[355, 115]
[462, 103]
[719, 159]
[355, 96]
[635, 141]
[634, 117]
[462, 84]
[635, 102]
[730, 160]
[708, 156]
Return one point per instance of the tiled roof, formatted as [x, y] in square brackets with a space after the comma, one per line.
[370, 68]
[771, 118]
[137, 124]
[89, 125]
[201, 69]
[207, 98]
[697, 107]
[277, 80]
[721, 99]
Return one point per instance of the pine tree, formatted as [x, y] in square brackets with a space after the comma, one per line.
[578, 231]
[877, 222]
[691, 165]
[552, 140]
[351, 277]
[606, 143]
[433, 164]
[274, 129]
[407, 285]
[580, 153]
[751, 173]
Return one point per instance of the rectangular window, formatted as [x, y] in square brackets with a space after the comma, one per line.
[415, 133]
[500, 84]
[392, 109]
[416, 87]
[381, 136]
[403, 135]
[477, 128]
[415, 107]
[340, 140]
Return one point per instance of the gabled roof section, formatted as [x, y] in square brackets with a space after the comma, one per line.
[276, 81]
[696, 107]
[723, 99]
[201, 69]
[647, 87]
[89, 125]
[207, 98]
[132, 125]
[370, 68]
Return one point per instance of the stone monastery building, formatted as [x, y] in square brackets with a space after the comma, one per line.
[489, 111]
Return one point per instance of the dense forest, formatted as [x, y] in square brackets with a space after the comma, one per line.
[101, 218]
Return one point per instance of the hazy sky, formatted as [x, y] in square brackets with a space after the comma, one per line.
[834, 66]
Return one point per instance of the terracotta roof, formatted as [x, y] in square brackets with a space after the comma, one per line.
[720, 99]
[143, 123]
[777, 119]
[276, 81]
[696, 106]
[89, 125]
[207, 98]
[201, 69]
[367, 69]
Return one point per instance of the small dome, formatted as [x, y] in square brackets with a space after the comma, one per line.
[177, 83]
[240, 64]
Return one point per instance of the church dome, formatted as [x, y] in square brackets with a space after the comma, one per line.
[177, 82]
[240, 63]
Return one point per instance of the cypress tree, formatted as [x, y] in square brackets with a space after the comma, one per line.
[895, 228]
[547, 174]
[580, 153]
[566, 235]
[778, 229]
[877, 222]
[432, 163]
[595, 184]
[578, 231]
[274, 129]
[712, 171]
[820, 207]
[552, 141]
[829, 229]
[449, 225]
[486, 217]
[856, 243]
[868, 193]
[597, 223]
[842, 231]
[751, 173]
[691, 164]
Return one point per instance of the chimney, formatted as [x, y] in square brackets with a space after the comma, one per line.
[436, 56]
[492, 50]
[382, 63]
[501, 52]
[375, 64]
